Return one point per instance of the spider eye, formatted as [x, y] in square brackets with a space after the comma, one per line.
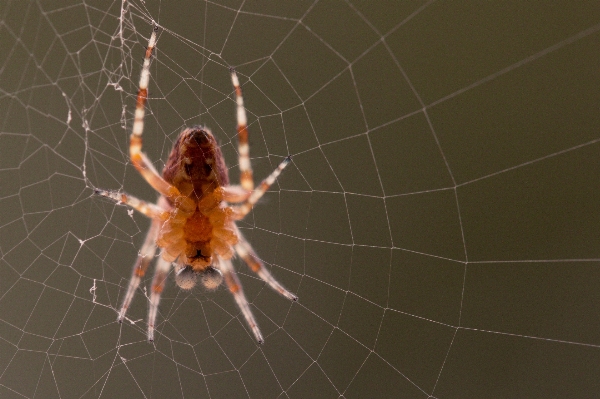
[186, 278]
[211, 278]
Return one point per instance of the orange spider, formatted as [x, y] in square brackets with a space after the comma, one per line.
[192, 221]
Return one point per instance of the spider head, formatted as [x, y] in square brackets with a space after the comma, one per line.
[211, 278]
[196, 162]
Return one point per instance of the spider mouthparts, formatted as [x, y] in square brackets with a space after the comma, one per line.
[287, 159]
[186, 278]
[231, 69]
[211, 278]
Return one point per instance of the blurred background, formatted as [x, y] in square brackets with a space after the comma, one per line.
[439, 222]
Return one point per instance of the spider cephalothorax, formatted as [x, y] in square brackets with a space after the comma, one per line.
[193, 222]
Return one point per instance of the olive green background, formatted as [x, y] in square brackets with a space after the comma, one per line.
[440, 221]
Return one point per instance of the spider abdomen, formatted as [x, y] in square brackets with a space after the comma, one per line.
[196, 165]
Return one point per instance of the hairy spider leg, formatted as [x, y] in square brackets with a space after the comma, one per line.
[245, 251]
[138, 158]
[145, 208]
[140, 266]
[246, 178]
[235, 287]
[244, 208]
[158, 284]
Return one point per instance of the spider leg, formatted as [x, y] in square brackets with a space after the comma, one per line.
[246, 179]
[158, 284]
[242, 209]
[234, 194]
[140, 266]
[235, 287]
[250, 196]
[138, 158]
[147, 209]
[246, 252]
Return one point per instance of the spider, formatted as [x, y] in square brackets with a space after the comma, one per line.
[193, 221]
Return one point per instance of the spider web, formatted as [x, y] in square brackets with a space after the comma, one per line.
[439, 222]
